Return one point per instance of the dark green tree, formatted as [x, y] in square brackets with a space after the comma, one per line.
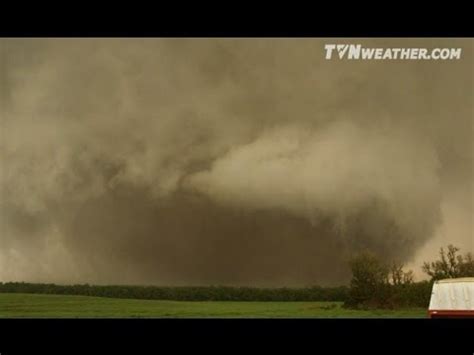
[370, 281]
[450, 265]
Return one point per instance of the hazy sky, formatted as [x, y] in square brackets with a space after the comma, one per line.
[228, 161]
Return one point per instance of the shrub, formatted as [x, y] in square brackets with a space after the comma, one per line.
[377, 284]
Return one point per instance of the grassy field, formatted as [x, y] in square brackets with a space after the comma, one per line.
[56, 306]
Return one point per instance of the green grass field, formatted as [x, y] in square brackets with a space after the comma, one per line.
[56, 306]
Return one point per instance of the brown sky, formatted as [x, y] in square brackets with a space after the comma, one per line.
[228, 161]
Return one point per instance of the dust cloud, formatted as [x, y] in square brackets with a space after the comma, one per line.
[228, 161]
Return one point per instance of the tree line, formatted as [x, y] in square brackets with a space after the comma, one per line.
[379, 284]
[375, 283]
[210, 293]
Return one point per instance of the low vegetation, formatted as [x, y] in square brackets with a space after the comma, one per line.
[60, 306]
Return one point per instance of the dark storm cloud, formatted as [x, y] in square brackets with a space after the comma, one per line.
[204, 161]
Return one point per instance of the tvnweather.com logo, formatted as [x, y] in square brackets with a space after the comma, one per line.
[359, 52]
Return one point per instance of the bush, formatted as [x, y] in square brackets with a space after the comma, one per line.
[369, 286]
[376, 284]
